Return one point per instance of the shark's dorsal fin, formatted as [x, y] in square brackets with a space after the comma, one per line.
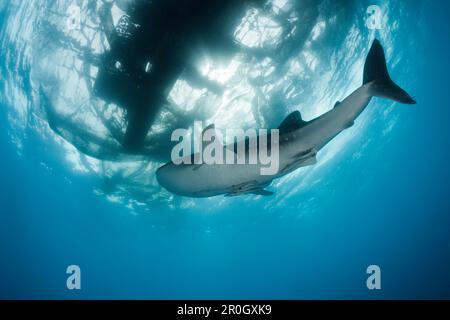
[211, 126]
[292, 122]
[336, 104]
[217, 137]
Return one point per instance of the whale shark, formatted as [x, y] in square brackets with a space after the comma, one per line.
[298, 144]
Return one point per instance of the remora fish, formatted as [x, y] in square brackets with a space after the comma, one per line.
[299, 141]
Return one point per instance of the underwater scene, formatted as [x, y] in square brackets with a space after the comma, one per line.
[120, 179]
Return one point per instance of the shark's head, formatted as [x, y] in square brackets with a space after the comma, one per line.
[178, 179]
[167, 176]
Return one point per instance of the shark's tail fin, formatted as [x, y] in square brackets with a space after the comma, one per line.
[375, 71]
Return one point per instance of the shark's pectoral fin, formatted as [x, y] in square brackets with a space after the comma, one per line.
[258, 191]
[349, 124]
[303, 159]
[262, 192]
[309, 162]
[251, 187]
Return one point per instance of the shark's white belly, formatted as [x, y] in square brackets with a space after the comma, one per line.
[215, 179]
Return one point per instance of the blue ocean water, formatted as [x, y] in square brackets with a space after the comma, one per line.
[379, 194]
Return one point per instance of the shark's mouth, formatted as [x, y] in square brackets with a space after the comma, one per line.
[282, 56]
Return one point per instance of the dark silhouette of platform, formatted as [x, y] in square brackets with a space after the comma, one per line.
[153, 46]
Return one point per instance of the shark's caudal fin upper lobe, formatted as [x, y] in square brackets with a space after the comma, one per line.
[376, 72]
